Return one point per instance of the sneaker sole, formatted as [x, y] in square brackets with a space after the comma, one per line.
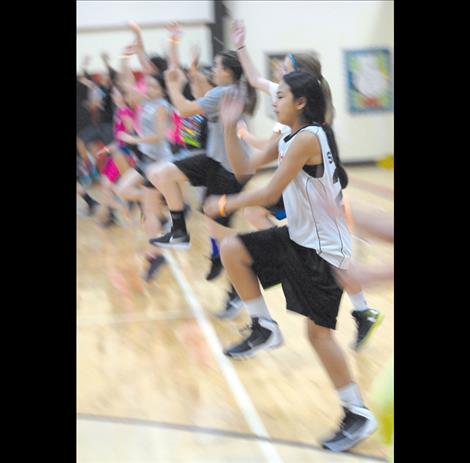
[358, 347]
[370, 428]
[255, 350]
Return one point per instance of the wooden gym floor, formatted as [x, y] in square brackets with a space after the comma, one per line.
[152, 382]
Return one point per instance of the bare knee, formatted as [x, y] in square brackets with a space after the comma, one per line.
[229, 247]
[316, 333]
[232, 249]
[159, 173]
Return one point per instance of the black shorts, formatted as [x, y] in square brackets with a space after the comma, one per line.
[204, 171]
[308, 282]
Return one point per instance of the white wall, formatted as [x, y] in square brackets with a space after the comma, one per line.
[155, 40]
[328, 27]
[117, 13]
[102, 26]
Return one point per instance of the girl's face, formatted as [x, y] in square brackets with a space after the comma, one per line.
[153, 88]
[220, 75]
[286, 108]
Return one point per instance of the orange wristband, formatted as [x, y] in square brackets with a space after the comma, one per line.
[222, 204]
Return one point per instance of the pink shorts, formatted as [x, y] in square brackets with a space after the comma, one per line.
[111, 170]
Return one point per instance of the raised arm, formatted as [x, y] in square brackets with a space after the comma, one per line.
[197, 80]
[174, 36]
[84, 67]
[145, 63]
[111, 71]
[127, 77]
[175, 80]
[251, 72]
[244, 166]
[304, 149]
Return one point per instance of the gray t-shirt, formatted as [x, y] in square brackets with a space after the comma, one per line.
[215, 139]
[159, 151]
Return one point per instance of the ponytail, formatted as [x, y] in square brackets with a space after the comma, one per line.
[340, 172]
[251, 97]
[330, 109]
[231, 61]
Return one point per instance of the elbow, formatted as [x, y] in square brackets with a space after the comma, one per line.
[270, 196]
[253, 81]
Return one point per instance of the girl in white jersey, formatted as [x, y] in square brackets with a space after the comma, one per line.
[366, 318]
[301, 255]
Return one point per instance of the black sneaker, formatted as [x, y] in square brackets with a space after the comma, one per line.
[172, 240]
[265, 334]
[154, 265]
[163, 220]
[232, 308]
[186, 210]
[92, 206]
[216, 268]
[357, 424]
[366, 322]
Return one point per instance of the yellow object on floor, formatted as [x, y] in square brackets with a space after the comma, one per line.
[387, 162]
[383, 405]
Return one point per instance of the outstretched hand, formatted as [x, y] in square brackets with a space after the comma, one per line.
[231, 107]
[195, 55]
[175, 75]
[174, 30]
[238, 33]
[135, 28]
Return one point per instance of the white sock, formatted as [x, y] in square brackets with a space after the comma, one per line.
[350, 395]
[258, 308]
[358, 301]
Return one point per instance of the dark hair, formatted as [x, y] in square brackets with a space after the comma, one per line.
[207, 71]
[161, 80]
[231, 62]
[159, 62]
[303, 84]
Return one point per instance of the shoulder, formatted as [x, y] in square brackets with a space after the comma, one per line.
[306, 144]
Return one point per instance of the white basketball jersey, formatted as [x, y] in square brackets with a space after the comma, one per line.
[311, 204]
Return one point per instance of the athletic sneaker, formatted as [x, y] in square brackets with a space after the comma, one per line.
[154, 265]
[265, 334]
[92, 206]
[216, 268]
[366, 322]
[172, 240]
[232, 308]
[357, 424]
